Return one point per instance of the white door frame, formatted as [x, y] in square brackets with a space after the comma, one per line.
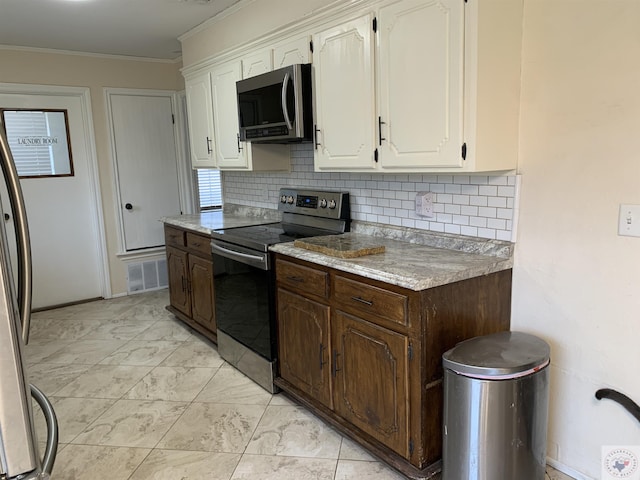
[95, 202]
[180, 167]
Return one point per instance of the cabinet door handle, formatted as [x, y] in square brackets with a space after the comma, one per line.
[184, 284]
[295, 279]
[239, 147]
[380, 123]
[209, 146]
[334, 366]
[322, 349]
[362, 300]
[315, 136]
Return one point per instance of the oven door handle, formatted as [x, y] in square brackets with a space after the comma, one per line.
[237, 255]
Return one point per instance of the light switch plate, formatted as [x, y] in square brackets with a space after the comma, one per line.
[424, 204]
[629, 220]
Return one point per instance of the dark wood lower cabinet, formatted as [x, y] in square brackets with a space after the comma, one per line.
[372, 379]
[178, 267]
[303, 330]
[366, 356]
[190, 268]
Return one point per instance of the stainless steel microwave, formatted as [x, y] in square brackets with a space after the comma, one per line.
[275, 107]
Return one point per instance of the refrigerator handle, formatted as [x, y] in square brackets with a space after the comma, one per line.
[51, 449]
[22, 233]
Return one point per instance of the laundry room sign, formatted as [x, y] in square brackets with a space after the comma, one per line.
[39, 142]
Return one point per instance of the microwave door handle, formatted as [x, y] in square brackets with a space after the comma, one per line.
[285, 111]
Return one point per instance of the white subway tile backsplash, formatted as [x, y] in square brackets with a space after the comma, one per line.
[469, 210]
[497, 224]
[453, 209]
[452, 188]
[488, 190]
[506, 191]
[499, 202]
[470, 189]
[474, 205]
[470, 231]
[487, 233]
[489, 212]
[461, 199]
[454, 229]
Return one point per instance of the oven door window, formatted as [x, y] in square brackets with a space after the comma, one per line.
[244, 304]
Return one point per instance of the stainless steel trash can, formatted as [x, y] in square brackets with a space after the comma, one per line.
[496, 402]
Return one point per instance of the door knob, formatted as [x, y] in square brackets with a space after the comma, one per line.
[128, 206]
[7, 217]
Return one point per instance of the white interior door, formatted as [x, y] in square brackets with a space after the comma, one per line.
[146, 163]
[62, 214]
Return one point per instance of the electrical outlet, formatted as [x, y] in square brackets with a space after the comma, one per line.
[424, 204]
[629, 220]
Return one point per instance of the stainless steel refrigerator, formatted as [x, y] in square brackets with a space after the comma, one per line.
[19, 456]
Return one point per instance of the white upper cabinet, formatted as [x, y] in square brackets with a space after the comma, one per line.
[200, 116]
[344, 94]
[231, 153]
[399, 86]
[420, 75]
[446, 95]
[292, 52]
[257, 63]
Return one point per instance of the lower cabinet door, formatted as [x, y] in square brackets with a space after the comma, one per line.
[371, 380]
[177, 265]
[202, 307]
[304, 345]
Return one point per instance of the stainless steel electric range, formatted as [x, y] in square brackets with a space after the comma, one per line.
[244, 279]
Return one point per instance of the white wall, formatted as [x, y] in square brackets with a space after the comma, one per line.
[96, 72]
[576, 282]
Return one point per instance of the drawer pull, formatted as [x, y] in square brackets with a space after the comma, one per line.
[295, 279]
[196, 244]
[362, 300]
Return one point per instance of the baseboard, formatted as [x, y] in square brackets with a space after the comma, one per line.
[561, 467]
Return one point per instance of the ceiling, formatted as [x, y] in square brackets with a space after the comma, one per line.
[139, 28]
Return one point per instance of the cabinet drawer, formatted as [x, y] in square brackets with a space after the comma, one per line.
[199, 244]
[302, 279]
[174, 236]
[373, 300]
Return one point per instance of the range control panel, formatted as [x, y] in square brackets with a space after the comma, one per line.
[318, 203]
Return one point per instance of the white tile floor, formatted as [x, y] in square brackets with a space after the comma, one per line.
[141, 396]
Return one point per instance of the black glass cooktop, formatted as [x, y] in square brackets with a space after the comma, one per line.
[259, 237]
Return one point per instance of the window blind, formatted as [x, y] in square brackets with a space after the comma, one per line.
[31, 160]
[209, 188]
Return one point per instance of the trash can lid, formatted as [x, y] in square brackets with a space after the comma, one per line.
[498, 356]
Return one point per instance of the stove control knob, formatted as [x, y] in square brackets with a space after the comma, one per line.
[323, 203]
[332, 204]
[290, 200]
[283, 199]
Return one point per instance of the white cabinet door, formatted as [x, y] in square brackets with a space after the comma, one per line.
[200, 117]
[421, 47]
[257, 63]
[292, 52]
[344, 94]
[229, 150]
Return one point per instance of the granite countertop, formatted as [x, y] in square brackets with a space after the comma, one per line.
[230, 217]
[413, 259]
[411, 265]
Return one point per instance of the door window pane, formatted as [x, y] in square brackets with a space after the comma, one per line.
[39, 142]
